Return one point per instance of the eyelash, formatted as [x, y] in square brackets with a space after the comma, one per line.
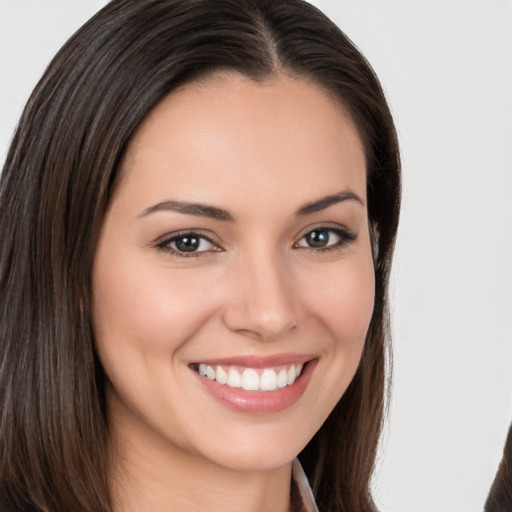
[345, 237]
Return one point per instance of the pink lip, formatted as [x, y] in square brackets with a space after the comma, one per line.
[258, 401]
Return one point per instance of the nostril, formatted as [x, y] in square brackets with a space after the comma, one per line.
[263, 304]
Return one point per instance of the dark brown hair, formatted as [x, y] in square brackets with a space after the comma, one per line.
[500, 495]
[58, 178]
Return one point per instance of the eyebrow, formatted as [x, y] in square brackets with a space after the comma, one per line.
[213, 212]
[199, 210]
[325, 202]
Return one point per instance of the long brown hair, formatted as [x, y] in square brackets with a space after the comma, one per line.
[500, 495]
[58, 178]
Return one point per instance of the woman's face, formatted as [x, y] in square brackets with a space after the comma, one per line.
[233, 281]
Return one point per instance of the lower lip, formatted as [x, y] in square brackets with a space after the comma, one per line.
[259, 401]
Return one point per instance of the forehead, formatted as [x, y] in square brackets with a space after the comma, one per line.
[230, 131]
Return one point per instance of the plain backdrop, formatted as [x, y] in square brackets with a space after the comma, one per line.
[446, 66]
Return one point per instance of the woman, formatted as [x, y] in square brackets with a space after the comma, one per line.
[198, 212]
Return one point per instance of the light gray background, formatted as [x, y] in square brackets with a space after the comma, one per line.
[446, 66]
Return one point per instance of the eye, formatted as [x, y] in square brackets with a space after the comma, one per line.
[188, 244]
[325, 238]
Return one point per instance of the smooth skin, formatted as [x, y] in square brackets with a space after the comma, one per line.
[265, 275]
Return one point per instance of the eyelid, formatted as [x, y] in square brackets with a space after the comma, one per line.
[334, 226]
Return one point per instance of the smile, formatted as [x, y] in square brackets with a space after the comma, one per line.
[256, 384]
[252, 379]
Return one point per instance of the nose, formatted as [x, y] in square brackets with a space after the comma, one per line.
[263, 303]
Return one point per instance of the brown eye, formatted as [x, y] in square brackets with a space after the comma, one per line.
[188, 244]
[325, 238]
[318, 238]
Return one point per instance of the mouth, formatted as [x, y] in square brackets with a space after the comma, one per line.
[252, 379]
[259, 385]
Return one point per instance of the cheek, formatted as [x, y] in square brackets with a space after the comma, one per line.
[147, 307]
[343, 300]
[141, 320]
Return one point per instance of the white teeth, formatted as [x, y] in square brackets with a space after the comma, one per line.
[250, 380]
[210, 372]
[268, 380]
[282, 379]
[234, 379]
[222, 376]
[292, 374]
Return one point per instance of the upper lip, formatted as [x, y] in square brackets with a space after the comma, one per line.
[255, 361]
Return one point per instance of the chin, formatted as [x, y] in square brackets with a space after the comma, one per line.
[254, 458]
[258, 448]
